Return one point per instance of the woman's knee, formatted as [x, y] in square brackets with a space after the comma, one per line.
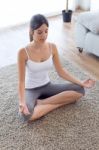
[80, 89]
[31, 104]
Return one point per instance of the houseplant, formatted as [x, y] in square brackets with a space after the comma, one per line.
[67, 14]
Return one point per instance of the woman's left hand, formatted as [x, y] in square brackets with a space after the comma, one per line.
[88, 83]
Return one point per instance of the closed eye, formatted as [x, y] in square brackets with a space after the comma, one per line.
[40, 32]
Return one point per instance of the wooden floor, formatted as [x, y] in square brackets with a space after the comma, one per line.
[60, 33]
[63, 35]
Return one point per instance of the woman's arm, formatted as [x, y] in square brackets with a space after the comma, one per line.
[61, 71]
[21, 81]
[21, 76]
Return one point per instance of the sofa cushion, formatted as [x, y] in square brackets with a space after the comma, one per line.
[90, 20]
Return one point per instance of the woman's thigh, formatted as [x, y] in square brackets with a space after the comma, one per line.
[53, 89]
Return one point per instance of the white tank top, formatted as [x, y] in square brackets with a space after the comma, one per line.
[37, 72]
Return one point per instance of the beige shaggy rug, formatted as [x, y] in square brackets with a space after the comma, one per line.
[71, 127]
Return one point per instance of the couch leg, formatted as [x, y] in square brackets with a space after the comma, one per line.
[80, 49]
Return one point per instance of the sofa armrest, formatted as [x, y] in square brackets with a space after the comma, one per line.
[80, 34]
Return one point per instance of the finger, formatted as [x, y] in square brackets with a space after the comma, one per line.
[27, 112]
[21, 110]
[92, 80]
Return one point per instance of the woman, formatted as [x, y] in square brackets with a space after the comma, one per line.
[37, 95]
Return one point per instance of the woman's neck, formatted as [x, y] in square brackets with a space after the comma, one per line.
[39, 44]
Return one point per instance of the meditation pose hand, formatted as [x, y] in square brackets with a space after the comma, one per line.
[88, 83]
[23, 109]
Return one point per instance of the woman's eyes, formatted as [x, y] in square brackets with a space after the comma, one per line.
[42, 32]
[39, 32]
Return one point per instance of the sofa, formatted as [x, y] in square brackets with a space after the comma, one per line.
[87, 32]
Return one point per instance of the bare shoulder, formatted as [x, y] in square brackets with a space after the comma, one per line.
[22, 54]
[54, 48]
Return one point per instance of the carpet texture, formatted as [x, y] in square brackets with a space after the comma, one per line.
[71, 127]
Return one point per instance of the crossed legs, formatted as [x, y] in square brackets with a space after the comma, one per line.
[49, 104]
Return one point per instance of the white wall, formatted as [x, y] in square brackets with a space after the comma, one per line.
[83, 4]
[94, 5]
[13, 12]
[74, 4]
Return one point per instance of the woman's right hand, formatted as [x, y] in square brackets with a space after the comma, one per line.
[23, 109]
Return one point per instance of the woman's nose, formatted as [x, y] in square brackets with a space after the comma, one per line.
[44, 35]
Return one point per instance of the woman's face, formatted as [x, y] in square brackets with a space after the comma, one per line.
[40, 34]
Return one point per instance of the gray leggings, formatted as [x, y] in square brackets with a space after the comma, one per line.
[48, 90]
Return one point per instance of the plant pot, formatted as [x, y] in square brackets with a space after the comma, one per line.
[67, 15]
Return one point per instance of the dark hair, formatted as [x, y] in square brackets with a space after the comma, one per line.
[35, 22]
